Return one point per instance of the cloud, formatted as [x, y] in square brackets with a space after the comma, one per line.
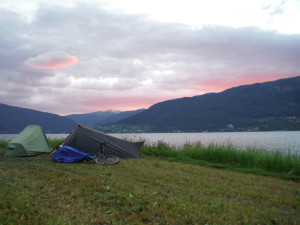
[52, 60]
[129, 61]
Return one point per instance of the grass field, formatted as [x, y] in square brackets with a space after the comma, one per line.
[149, 190]
[228, 157]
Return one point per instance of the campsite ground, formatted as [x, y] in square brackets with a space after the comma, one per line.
[149, 190]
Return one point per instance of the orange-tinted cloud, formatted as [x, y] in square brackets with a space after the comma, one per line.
[52, 60]
[86, 104]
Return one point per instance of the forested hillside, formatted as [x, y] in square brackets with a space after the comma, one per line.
[263, 106]
[15, 119]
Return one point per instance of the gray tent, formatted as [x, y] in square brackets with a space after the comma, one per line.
[89, 141]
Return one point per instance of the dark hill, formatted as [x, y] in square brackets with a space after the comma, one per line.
[263, 106]
[15, 119]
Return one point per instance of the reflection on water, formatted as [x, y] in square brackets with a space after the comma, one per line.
[272, 141]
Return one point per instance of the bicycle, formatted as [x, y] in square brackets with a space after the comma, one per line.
[105, 160]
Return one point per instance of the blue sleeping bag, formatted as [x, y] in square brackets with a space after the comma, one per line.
[68, 154]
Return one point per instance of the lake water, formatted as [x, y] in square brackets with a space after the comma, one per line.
[284, 141]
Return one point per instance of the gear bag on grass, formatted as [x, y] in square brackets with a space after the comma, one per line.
[68, 154]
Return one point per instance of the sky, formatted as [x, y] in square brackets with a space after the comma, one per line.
[72, 56]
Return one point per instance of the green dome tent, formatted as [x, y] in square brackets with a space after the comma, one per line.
[31, 141]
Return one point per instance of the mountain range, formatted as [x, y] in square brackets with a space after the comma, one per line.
[100, 118]
[14, 119]
[264, 106]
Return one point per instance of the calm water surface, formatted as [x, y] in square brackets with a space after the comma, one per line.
[271, 141]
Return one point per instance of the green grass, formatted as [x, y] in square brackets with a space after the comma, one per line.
[149, 190]
[257, 161]
[222, 156]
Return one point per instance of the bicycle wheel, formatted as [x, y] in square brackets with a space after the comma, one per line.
[107, 160]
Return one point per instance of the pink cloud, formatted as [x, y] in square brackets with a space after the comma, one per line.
[52, 60]
[123, 103]
[98, 103]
